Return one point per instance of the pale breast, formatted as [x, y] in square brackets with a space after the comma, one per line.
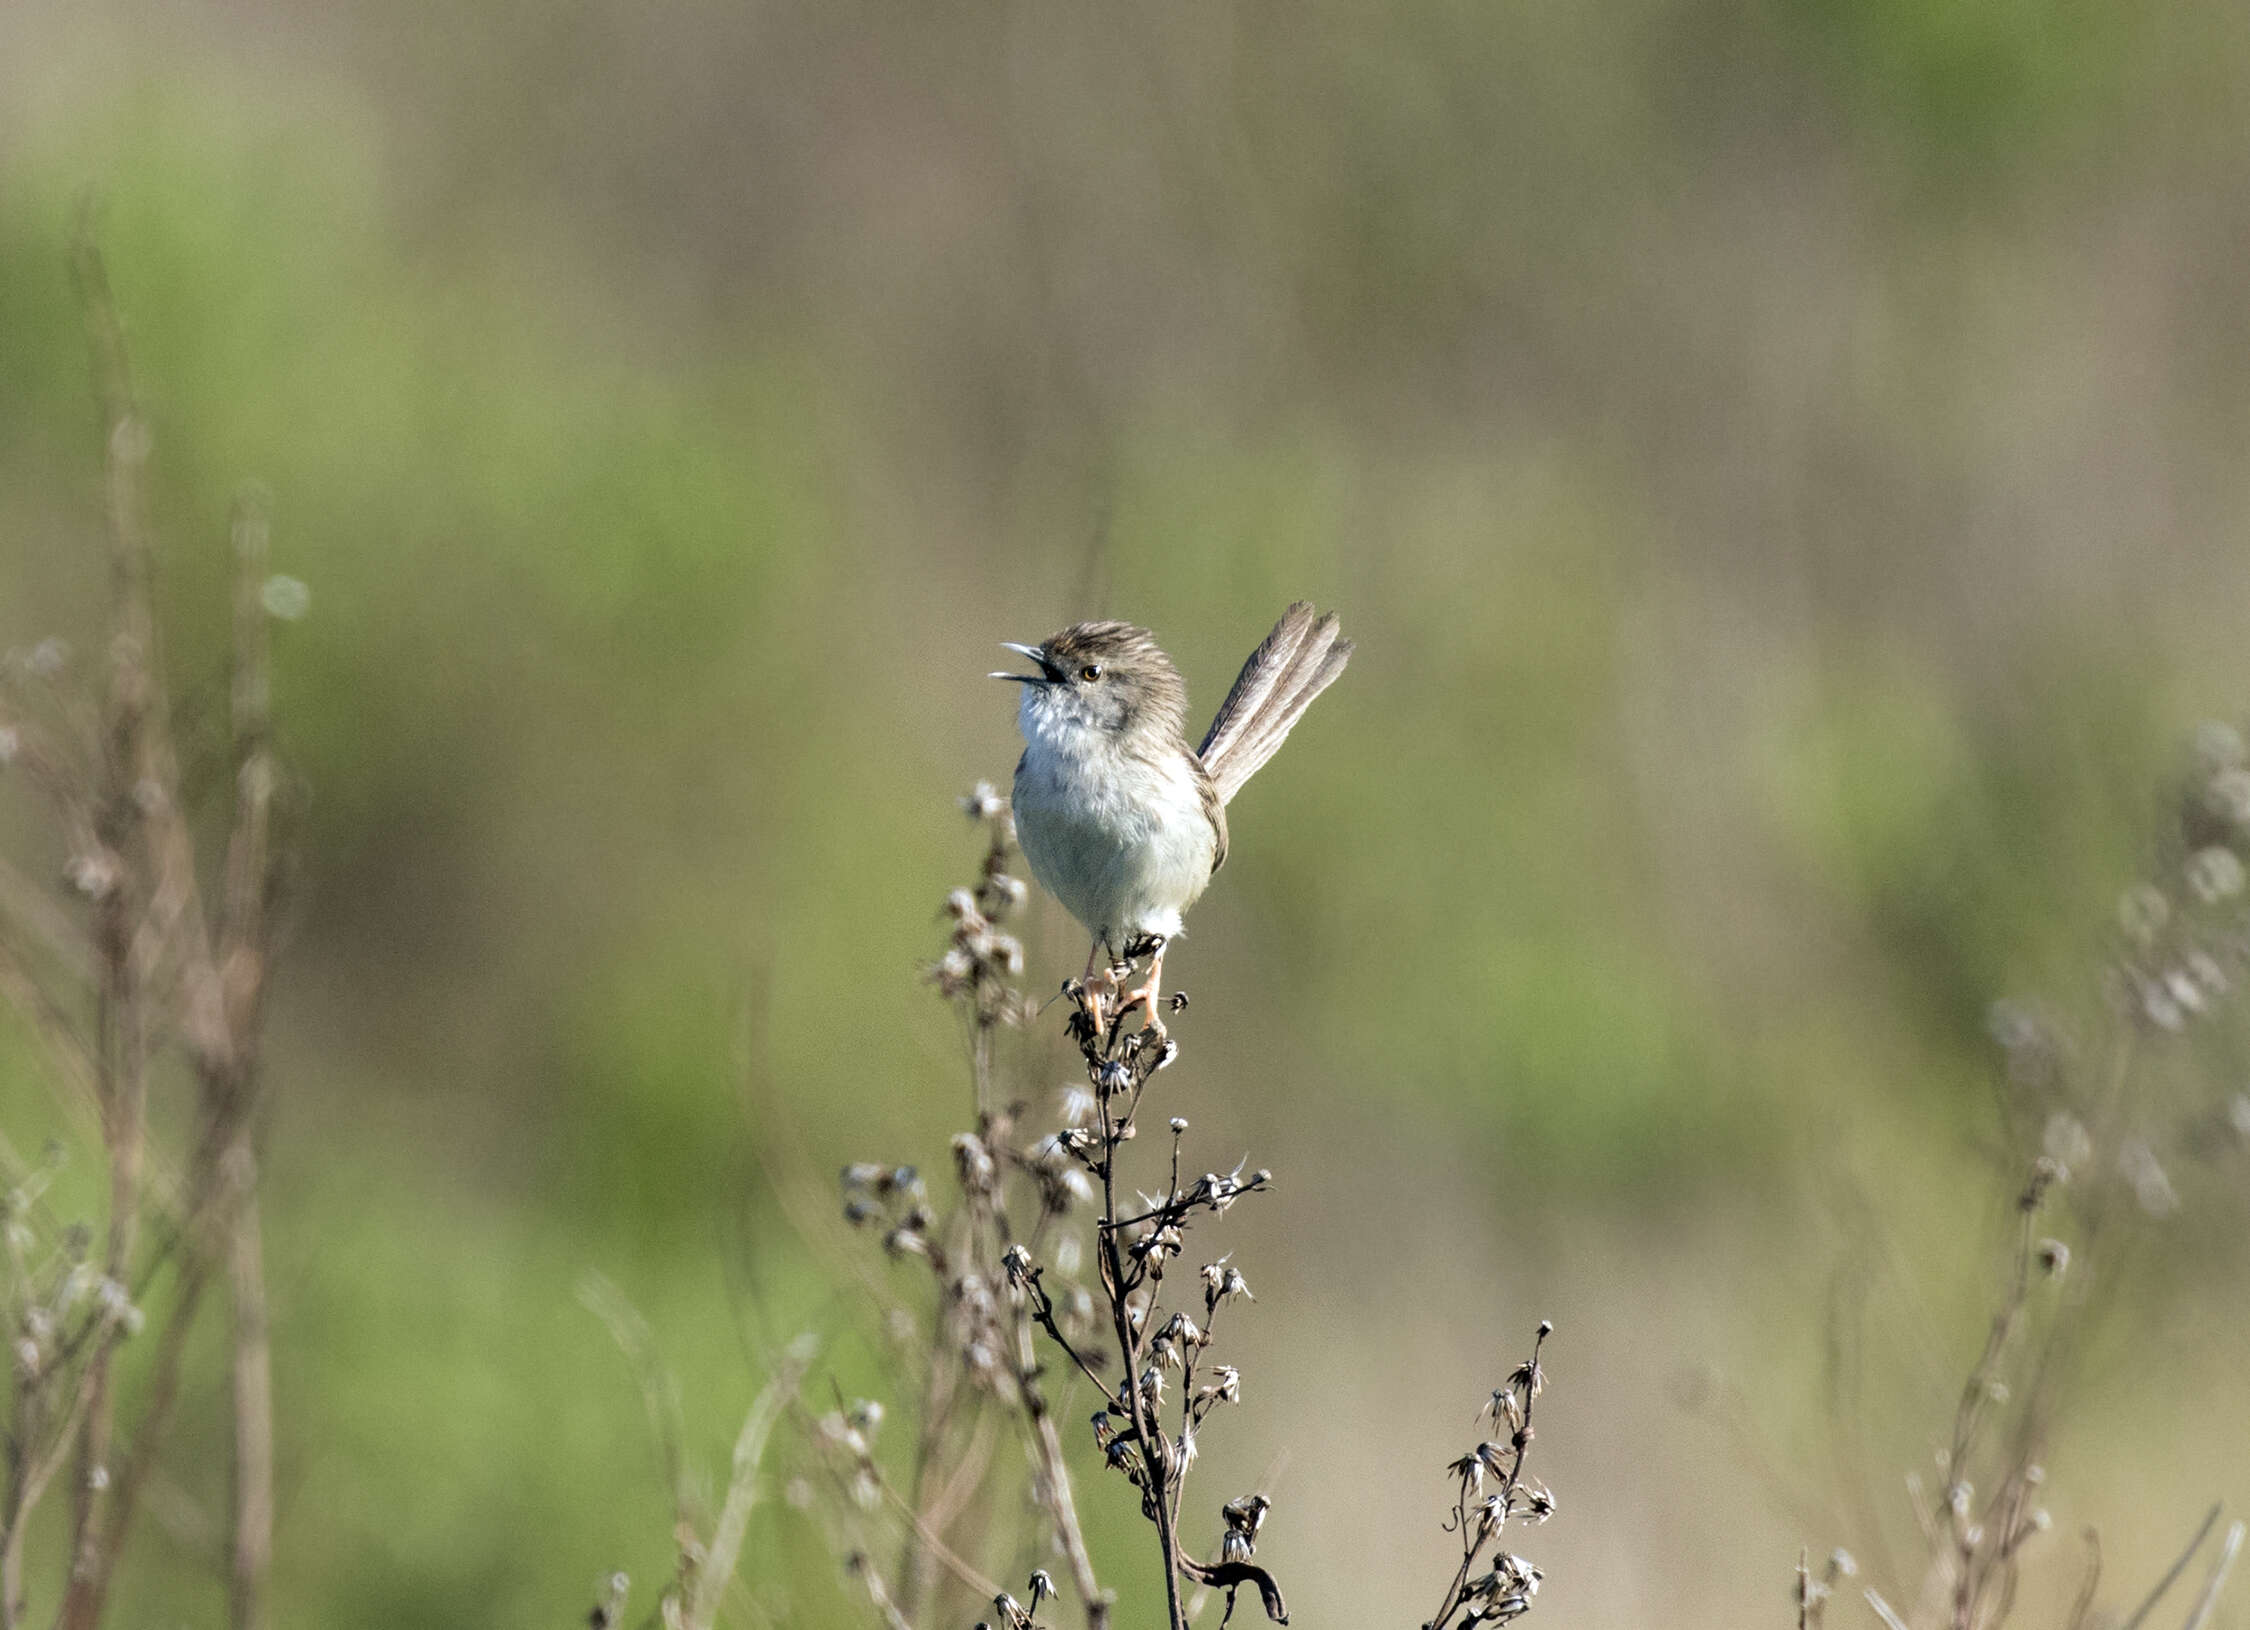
[1121, 841]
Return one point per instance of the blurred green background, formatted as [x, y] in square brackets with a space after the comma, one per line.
[1783, 467]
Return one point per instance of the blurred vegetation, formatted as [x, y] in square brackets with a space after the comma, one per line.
[1781, 465]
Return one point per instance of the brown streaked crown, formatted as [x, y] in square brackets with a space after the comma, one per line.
[1131, 662]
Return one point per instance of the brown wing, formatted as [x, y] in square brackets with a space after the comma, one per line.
[1215, 810]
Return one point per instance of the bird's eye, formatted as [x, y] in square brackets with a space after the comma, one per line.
[1092, 671]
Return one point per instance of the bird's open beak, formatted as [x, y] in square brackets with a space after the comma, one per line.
[1048, 673]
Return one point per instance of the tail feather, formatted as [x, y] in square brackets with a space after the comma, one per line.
[1256, 683]
[1292, 665]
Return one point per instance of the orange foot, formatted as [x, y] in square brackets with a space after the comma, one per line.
[1100, 983]
[1147, 996]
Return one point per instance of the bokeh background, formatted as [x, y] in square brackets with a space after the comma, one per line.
[1783, 465]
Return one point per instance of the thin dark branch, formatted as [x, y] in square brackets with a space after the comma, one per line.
[2172, 1574]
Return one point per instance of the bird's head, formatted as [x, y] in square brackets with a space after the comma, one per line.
[1111, 677]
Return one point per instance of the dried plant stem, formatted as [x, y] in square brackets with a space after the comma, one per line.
[1147, 1430]
[941, 1384]
[89, 1593]
[706, 1566]
[160, 977]
[724, 1553]
[982, 1353]
[886, 1609]
[251, 1551]
[28, 1478]
[121, 1127]
[232, 1085]
[993, 1288]
[1052, 1474]
[1477, 1518]
[124, 949]
[2171, 1577]
[945, 1555]
[2208, 1602]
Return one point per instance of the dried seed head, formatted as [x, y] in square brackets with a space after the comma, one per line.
[1504, 1409]
[2138, 1165]
[2046, 1172]
[284, 598]
[973, 1161]
[2159, 1008]
[2218, 746]
[2214, 874]
[93, 876]
[1246, 1514]
[2227, 795]
[2210, 978]
[2066, 1140]
[2142, 912]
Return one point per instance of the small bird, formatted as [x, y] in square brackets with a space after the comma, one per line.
[1122, 821]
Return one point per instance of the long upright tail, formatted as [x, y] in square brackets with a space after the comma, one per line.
[1292, 665]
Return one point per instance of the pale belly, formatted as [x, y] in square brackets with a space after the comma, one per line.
[1123, 862]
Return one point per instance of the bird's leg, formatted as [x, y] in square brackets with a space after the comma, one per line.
[1095, 993]
[1147, 994]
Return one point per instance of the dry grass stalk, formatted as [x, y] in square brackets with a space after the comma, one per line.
[126, 972]
[2110, 1125]
[976, 1369]
[708, 1548]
